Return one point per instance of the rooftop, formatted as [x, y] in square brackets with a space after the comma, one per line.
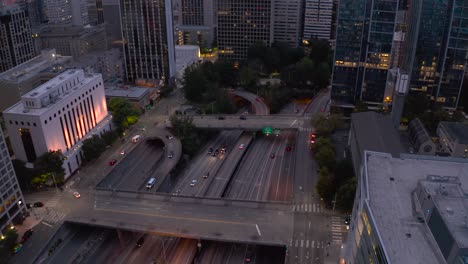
[458, 131]
[127, 91]
[32, 67]
[395, 179]
[375, 132]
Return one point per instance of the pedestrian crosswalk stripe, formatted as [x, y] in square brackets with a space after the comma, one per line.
[297, 243]
[302, 243]
[307, 244]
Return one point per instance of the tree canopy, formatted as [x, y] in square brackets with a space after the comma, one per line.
[121, 110]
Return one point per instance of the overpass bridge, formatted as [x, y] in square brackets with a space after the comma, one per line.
[251, 122]
[190, 217]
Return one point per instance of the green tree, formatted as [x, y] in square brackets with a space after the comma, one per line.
[226, 72]
[321, 75]
[323, 142]
[50, 162]
[305, 71]
[121, 109]
[325, 185]
[42, 180]
[326, 157]
[223, 103]
[248, 77]
[345, 195]
[93, 147]
[109, 137]
[195, 84]
[326, 125]
[344, 171]
[458, 116]
[415, 105]
[7, 245]
[320, 50]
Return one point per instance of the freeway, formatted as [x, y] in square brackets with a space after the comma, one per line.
[257, 103]
[187, 217]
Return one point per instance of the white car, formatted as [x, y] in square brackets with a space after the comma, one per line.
[122, 152]
[171, 155]
[193, 183]
[242, 146]
[77, 195]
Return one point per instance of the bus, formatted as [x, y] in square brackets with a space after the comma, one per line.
[136, 138]
[150, 183]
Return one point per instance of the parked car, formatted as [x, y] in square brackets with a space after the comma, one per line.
[272, 155]
[17, 248]
[171, 154]
[243, 118]
[206, 175]
[210, 151]
[38, 204]
[169, 137]
[288, 148]
[26, 235]
[221, 118]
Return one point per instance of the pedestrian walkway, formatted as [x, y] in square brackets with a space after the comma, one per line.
[308, 208]
[337, 229]
[306, 243]
[52, 202]
[53, 217]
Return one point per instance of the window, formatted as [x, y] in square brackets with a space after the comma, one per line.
[29, 124]
[45, 122]
[22, 123]
[11, 122]
[55, 115]
[50, 118]
[34, 124]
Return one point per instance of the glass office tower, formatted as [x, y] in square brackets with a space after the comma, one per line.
[363, 50]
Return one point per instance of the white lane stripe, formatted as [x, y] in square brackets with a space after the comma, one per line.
[302, 243]
[307, 244]
[297, 243]
[312, 245]
[315, 208]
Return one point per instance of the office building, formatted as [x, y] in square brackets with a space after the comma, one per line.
[410, 209]
[420, 139]
[318, 19]
[108, 63]
[95, 12]
[148, 40]
[192, 12]
[241, 24]
[453, 138]
[16, 44]
[74, 41]
[57, 11]
[12, 204]
[363, 51]
[437, 49]
[111, 14]
[23, 78]
[79, 10]
[58, 115]
[140, 97]
[287, 21]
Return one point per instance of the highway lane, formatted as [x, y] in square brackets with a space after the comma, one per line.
[71, 246]
[250, 123]
[257, 102]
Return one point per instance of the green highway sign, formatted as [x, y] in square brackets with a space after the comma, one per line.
[267, 130]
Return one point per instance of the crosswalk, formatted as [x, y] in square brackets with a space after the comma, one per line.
[54, 217]
[337, 229]
[307, 243]
[52, 202]
[308, 208]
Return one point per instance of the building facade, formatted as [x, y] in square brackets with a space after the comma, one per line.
[192, 12]
[59, 115]
[21, 79]
[363, 50]
[148, 40]
[16, 44]
[288, 21]
[318, 19]
[241, 24]
[12, 204]
[57, 12]
[453, 138]
[437, 49]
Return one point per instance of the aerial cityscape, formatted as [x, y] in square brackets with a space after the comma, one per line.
[234, 131]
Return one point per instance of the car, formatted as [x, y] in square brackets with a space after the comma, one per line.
[272, 156]
[347, 220]
[122, 152]
[215, 153]
[77, 195]
[257, 99]
[112, 162]
[17, 248]
[246, 112]
[176, 193]
[221, 118]
[206, 175]
[288, 148]
[249, 255]
[38, 204]
[296, 111]
[210, 151]
[170, 155]
[224, 149]
[243, 118]
[140, 241]
[26, 235]
[28, 205]
[241, 146]
[193, 183]
[169, 137]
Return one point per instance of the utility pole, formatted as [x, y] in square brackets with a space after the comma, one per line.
[53, 177]
[334, 203]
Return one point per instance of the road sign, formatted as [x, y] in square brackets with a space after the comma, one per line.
[267, 130]
[277, 131]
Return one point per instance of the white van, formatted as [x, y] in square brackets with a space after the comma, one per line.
[150, 183]
[136, 138]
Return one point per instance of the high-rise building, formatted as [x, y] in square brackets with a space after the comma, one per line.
[148, 40]
[79, 12]
[242, 23]
[12, 205]
[57, 11]
[287, 21]
[195, 22]
[111, 14]
[364, 37]
[409, 209]
[192, 12]
[438, 49]
[95, 12]
[16, 44]
[59, 115]
[318, 21]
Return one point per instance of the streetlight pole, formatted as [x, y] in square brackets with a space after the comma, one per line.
[53, 177]
[334, 203]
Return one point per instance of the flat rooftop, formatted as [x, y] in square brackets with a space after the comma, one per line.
[126, 91]
[391, 204]
[458, 131]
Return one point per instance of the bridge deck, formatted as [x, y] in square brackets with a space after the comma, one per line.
[178, 216]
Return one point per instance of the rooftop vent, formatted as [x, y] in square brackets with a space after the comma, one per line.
[449, 210]
[392, 179]
[33, 94]
[408, 235]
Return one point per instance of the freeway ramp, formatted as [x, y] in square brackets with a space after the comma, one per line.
[211, 219]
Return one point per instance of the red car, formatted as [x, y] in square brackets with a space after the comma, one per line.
[112, 162]
[272, 155]
[257, 99]
[288, 149]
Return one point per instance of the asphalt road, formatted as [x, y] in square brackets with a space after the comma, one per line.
[251, 122]
[262, 177]
[257, 103]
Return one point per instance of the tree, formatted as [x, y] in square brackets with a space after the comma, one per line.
[325, 185]
[415, 105]
[50, 162]
[323, 142]
[121, 110]
[458, 116]
[326, 125]
[360, 107]
[319, 50]
[345, 195]
[93, 147]
[326, 157]
[7, 245]
[195, 84]
[321, 75]
[109, 137]
[305, 70]
[42, 180]
[226, 72]
[248, 77]
[223, 103]
[344, 171]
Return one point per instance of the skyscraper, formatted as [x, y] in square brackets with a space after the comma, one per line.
[287, 21]
[363, 50]
[318, 19]
[57, 11]
[438, 49]
[148, 40]
[242, 23]
[192, 12]
[16, 44]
